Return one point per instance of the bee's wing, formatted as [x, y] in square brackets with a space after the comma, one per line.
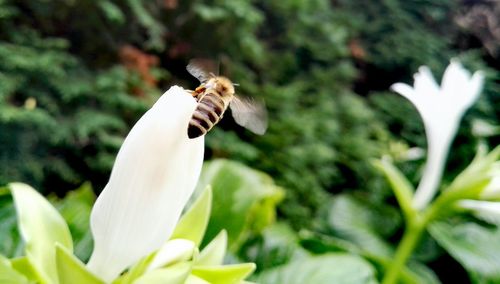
[249, 114]
[201, 69]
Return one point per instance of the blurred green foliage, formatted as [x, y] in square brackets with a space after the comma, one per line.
[71, 87]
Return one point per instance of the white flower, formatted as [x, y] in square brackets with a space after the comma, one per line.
[489, 211]
[155, 173]
[441, 109]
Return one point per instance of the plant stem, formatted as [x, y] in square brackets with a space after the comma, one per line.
[411, 237]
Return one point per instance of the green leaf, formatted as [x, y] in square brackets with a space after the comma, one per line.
[195, 280]
[193, 223]
[112, 11]
[41, 227]
[10, 275]
[471, 182]
[174, 274]
[419, 273]
[213, 253]
[245, 198]
[23, 265]
[361, 224]
[338, 268]
[224, 274]
[403, 189]
[11, 244]
[75, 209]
[278, 244]
[477, 248]
[71, 270]
[415, 273]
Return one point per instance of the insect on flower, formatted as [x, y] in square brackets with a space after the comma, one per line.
[214, 95]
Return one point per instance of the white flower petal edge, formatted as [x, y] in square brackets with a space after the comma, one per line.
[155, 173]
[441, 110]
[486, 210]
[173, 251]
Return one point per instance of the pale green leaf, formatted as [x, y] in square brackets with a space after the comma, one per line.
[224, 274]
[71, 270]
[10, 275]
[195, 280]
[41, 227]
[477, 248]
[193, 223]
[403, 189]
[338, 268]
[213, 253]
[174, 274]
[23, 265]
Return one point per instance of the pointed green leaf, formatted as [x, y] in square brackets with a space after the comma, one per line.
[326, 268]
[403, 189]
[174, 274]
[213, 253]
[23, 265]
[9, 275]
[41, 227]
[224, 274]
[194, 222]
[71, 270]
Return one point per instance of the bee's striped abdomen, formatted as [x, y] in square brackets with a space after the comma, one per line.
[208, 112]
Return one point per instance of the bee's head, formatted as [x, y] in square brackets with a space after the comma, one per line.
[224, 86]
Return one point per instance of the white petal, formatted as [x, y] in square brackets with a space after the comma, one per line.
[475, 85]
[424, 84]
[173, 251]
[486, 210]
[154, 174]
[404, 90]
[455, 79]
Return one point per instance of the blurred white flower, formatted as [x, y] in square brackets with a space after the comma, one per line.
[155, 173]
[492, 190]
[488, 211]
[441, 109]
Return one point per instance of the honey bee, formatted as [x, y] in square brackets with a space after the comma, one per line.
[214, 95]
